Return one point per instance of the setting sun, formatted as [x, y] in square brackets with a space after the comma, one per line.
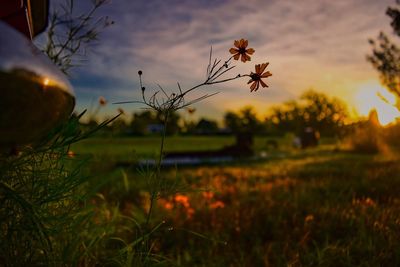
[373, 96]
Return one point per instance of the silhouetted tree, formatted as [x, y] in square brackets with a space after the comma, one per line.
[119, 127]
[232, 121]
[327, 115]
[386, 54]
[140, 122]
[173, 122]
[245, 121]
[287, 117]
[205, 126]
[189, 127]
[316, 110]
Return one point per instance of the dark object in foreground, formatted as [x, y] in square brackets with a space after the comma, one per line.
[240, 150]
[27, 16]
[35, 96]
[309, 137]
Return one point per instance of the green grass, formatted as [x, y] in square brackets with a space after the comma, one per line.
[317, 207]
[132, 148]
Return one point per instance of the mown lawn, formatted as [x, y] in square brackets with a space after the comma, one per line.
[318, 207]
[144, 147]
[133, 148]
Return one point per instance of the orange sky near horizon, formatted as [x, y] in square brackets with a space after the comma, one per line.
[361, 98]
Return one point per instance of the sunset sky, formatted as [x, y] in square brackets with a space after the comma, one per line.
[320, 44]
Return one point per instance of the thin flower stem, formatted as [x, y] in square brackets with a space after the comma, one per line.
[211, 76]
[215, 64]
[159, 86]
[228, 79]
[209, 63]
[222, 73]
[210, 82]
[76, 31]
[220, 68]
[156, 190]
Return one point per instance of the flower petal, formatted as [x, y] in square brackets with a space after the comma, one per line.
[245, 58]
[263, 67]
[250, 51]
[233, 50]
[245, 43]
[266, 74]
[236, 43]
[263, 84]
[254, 86]
[236, 57]
[258, 69]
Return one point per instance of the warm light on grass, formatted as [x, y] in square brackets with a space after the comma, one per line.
[373, 96]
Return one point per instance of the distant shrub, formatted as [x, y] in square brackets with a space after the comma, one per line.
[392, 134]
[367, 137]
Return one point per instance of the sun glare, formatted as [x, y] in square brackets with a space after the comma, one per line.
[46, 81]
[373, 96]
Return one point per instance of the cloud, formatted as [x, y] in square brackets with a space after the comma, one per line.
[308, 43]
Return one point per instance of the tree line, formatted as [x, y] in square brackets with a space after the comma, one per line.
[326, 115]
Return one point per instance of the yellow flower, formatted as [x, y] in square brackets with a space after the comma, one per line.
[241, 50]
[256, 78]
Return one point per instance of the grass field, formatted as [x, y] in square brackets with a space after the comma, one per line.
[139, 147]
[132, 148]
[317, 207]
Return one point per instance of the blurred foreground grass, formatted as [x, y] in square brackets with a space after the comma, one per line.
[317, 207]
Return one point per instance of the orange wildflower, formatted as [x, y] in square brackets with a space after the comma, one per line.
[366, 202]
[256, 78]
[309, 218]
[165, 204]
[217, 204]
[191, 110]
[190, 212]
[241, 50]
[168, 206]
[208, 195]
[102, 101]
[183, 200]
[71, 154]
